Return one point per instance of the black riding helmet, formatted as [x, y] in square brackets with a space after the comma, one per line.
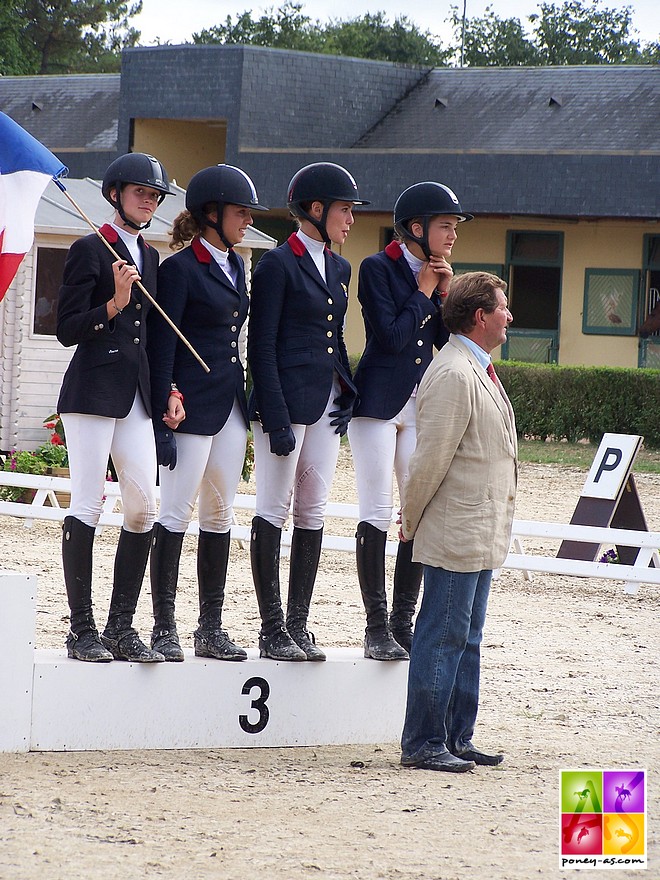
[322, 182]
[138, 168]
[425, 200]
[222, 185]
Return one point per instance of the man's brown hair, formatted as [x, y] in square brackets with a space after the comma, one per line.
[467, 293]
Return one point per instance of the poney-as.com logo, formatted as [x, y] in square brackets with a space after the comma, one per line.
[602, 819]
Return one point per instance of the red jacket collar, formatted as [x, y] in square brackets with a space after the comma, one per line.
[203, 254]
[111, 235]
[298, 247]
[393, 250]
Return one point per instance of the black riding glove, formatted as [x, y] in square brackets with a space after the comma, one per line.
[282, 441]
[166, 449]
[342, 416]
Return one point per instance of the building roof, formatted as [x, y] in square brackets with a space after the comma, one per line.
[604, 110]
[56, 213]
[75, 116]
[543, 141]
[551, 141]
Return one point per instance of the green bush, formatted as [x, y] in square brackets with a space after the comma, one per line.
[576, 403]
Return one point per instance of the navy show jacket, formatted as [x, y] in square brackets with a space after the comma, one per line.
[402, 326]
[295, 336]
[110, 362]
[202, 302]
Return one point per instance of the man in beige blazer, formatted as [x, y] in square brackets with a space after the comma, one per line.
[459, 505]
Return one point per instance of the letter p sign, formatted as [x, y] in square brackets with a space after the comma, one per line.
[611, 466]
[609, 462]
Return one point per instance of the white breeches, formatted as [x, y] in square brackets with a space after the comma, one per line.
[209, 467]
[90, 440]
[382, 448]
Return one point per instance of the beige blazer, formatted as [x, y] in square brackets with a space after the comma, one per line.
[459, 498]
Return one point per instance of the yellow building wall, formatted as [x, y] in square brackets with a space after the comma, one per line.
[597, 244]
[183, 146]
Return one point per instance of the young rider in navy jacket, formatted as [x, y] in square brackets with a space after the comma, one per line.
[105, 406]
[401, 306]
[302, 398]
[202, 288]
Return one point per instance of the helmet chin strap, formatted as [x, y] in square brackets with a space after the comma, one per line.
[423, 239]
[205, 220]
[120, 211]
[320, 225]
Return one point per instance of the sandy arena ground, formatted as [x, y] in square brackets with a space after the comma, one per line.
[569, 680]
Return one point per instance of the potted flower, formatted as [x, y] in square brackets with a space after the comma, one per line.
[49, 458]
[21, 462]
[55, 455]
[54, 451]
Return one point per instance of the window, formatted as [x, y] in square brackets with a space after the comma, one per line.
[610, 301]
[50, 270]
[535, 276]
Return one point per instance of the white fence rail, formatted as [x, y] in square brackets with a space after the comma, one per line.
[646, 570]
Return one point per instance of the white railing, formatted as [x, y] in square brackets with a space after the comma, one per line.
[646, 570]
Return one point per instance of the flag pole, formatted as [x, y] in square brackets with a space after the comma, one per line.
[141, 286]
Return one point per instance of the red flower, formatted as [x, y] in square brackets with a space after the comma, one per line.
[56, 440]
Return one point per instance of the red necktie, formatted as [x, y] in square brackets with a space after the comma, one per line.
[490, 369]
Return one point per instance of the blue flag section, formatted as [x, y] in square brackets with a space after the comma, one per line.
[26, 167]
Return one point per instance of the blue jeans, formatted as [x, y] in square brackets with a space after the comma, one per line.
[443, 680]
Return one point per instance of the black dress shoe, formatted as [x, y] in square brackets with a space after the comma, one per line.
[442, 761]
[469, 753]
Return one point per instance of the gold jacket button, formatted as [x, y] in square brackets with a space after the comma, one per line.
[418, 360]
[330, 349]
[233, 360]
[329, 333]
[138, 306]
[235, 315]
[329, 317]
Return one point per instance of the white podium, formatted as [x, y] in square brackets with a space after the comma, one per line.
[51, 703]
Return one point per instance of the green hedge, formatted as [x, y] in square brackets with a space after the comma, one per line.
[575, 403]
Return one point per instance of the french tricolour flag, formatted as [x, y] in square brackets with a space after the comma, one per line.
[26, 166]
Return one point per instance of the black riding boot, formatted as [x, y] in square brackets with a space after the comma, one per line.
[407, 581]
[370, 555]
[274, 640]
[305, 555]
[119, 637]
[164, 572]
[82, 642]
[211, 640]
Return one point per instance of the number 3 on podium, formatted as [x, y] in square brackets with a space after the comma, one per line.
[259, 704]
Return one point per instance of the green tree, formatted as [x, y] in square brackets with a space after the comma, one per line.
[490, 41]
[65, 36]
[369, 36]
[651, 53]
[372, 36]
[584, 33]
[284, 28]
[16, 58]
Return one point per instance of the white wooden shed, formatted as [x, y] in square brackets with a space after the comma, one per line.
[32, 361]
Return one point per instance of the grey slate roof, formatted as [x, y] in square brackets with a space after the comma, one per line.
[563, 141]
[601, 109]
[75, 116]
[557, 142]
